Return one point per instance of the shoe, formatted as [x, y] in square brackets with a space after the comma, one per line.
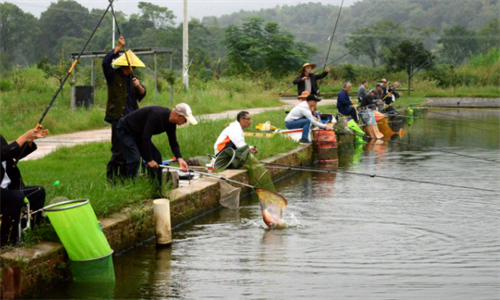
[304, 142]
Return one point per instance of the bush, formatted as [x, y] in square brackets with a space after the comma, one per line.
[6, 85]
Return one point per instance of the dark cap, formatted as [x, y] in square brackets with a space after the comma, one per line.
[312, 98]
[380, 85]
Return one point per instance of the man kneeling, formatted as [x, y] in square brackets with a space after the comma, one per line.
[13, 191]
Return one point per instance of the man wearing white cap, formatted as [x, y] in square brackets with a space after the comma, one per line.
[136, 129]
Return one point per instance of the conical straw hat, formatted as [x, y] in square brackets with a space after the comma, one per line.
[134, 60]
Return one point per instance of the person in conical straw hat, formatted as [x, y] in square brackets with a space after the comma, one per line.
[307, 81]
[124, 94]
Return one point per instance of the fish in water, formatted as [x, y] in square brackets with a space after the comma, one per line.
[272, 215]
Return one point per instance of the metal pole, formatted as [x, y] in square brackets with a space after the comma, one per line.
[73, 89]
[185, 47]
[92, 75]
[156, 81]
[171, 86]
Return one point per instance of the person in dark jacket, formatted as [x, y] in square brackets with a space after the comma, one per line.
[13, 191]
[124, 93]
[370, 100]
[392, 94]
[136, 129]
[362, 90]
[307, 81]
[344, 103]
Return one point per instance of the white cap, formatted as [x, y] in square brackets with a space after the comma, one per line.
[184, 110]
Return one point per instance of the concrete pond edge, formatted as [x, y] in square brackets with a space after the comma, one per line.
[26, 272]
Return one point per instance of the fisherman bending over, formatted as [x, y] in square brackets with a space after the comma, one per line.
[362, 90]
[301, 117]
[136, 129]
[393, 95]
[124, 93]
[232, 136]
[370, 100]
[13, 191]
[307, 81]
[344, 103]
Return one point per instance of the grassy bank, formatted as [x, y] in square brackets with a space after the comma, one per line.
[81, 170]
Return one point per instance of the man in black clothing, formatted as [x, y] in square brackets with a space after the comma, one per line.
[13, 191]
[124, 93]
[370, 100]
[136, 130]
[392, 94]
[307, 81]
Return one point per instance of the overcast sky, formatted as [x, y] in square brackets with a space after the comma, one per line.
[196, 8]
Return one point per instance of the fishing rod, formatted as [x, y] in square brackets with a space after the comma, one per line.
[419, 146]
[309, 169]
[211, 175]
[72, 67]
[124, 48]
[330, 47]
[452, 122]
[185, 74]
[461, 117]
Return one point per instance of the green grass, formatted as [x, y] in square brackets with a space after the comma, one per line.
[81, 170]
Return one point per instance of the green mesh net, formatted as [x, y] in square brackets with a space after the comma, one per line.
[258, 175]
[99, 270]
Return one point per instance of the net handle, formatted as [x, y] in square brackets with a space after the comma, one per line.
[210, 175]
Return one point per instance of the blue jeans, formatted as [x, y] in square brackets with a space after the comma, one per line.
[300, 123]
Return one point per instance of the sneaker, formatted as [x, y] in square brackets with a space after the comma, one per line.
[305, 142]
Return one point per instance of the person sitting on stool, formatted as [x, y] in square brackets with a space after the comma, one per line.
[13, 191]
[136, 129]
[344, 103]
[301, 117]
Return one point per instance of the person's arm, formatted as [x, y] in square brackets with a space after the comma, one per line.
[139, 90]
[323, 75]
[306, 112]
[107, 68]
[298, 79]
[172, 140]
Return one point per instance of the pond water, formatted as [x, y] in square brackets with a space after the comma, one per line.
[350, 237]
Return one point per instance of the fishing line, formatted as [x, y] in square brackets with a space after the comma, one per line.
[449, 121]
[422, 147]
[309, 169]
[466, 118]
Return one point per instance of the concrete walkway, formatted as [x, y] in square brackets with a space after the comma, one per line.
[51, 143]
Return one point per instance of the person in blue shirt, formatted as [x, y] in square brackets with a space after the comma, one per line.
[344, 103]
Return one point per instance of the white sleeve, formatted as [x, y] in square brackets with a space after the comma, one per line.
[308, 114]
[237, 138]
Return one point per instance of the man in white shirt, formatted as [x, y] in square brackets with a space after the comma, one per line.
[12, 188]
[232, 136]
[301, 117]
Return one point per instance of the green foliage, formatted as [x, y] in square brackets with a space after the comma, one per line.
[488, 59]
[159, 16]
[458, 43]
[408, 56]
[257, 47]
[58, 71]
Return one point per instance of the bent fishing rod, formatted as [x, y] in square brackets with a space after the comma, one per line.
[124, 48]
[419, 146]
[211, 175]
[330, 46]
[316, 170]
[72, 67]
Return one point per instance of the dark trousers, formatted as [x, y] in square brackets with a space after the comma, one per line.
[130, 146]
[353, 114]
[11, 203]
[116, 167]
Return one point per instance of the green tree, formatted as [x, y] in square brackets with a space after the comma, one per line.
[197, 66]
[375, 40]
[58, 71]
[457, 44]
[16, 29]
[489, 36]
[161, 17]
[409, 56]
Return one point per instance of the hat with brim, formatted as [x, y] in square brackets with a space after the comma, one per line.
[305, 65]
[383, 80]
[304, 95]
[132, 58]
[184, 110]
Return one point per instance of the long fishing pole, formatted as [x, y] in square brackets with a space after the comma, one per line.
[211, 175]
[330, 47]
[461, 117]
[124, 48]
[419, 146]
[72, 67]
[309, 169]
[451, 121]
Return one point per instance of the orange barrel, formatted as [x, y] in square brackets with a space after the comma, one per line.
[325, 146]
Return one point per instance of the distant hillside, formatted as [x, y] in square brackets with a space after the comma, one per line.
[313, 22]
